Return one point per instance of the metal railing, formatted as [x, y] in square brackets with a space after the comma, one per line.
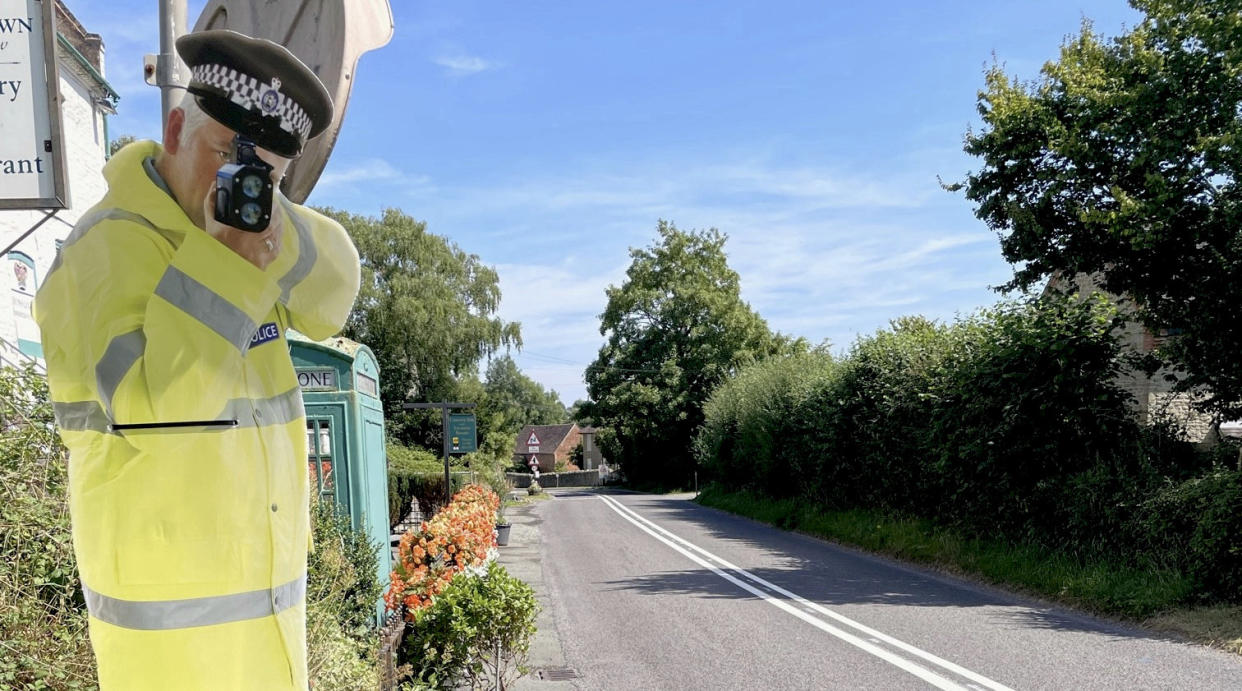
[12, 356]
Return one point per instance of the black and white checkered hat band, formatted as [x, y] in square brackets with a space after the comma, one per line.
[249, 93]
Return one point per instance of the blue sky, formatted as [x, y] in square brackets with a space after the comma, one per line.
[549, 138]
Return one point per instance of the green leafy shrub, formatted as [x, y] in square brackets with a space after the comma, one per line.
[1197, 525]
[476, 631]
[534, 488]
[342, 593]
[744, 420]
[415, 473]
[344, 567]
[42, 609]
[1007, 424]
[1029, 416]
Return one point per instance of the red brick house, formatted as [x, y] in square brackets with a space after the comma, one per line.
[549, 444]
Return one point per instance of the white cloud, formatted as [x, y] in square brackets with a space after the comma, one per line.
[460, 65]
[823, 252]
[367, 170]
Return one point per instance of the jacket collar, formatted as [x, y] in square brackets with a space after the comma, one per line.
[130, 188]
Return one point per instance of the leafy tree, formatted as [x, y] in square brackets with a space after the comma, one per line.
[513, 399]
[1122, 161]
[427, 309]
[675, 329]
[576, 413]
[120, 143]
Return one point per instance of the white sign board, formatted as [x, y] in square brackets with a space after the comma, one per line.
[317, 379]
[532, 449]
[32, 171]
[533, 440]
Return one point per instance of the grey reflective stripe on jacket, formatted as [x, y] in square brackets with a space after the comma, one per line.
[81, 416]
[256, 412]
[120, 355]
[281, 409]
[199, 611]
[94, 218]
[202, 303]
[307, 254]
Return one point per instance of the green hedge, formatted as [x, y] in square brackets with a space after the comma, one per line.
[342, 591]
[42, 609]
[414, 473]
[1006, 424]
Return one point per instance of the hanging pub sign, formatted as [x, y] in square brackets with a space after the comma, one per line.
[32, 155]
[463, 433]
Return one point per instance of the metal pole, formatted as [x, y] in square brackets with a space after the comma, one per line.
[26, 234]
[448, 484]
[168, 72]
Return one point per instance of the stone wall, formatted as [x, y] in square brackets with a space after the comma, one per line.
[577, 478]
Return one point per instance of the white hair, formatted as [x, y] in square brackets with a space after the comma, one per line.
[195, 117]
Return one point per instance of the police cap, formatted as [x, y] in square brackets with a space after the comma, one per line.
[256, 88]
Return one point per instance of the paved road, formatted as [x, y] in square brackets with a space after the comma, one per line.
[655, 592]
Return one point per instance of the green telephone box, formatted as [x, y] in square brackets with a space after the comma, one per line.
[345, 449]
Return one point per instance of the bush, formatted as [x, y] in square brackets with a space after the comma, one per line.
[42, 609]
[342, 594]
[478, 630]
[415, 473]
[1010, 423]
[745, 422]
[1197, 525]
[534, 488]
[343, 568]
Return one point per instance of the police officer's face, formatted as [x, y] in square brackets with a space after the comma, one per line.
[200, 157]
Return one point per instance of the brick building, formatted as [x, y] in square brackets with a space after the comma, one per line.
[86, 99]
[549, 444]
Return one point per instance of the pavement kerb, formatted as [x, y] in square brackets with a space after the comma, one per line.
[523, 558]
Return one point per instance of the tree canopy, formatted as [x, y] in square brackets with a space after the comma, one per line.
[512, 399]
[1122, 161]
[674, 329]
[428, 311]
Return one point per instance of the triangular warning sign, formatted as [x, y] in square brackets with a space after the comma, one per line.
[533, 441]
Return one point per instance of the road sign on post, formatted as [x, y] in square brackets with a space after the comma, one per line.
[444, 412]
[463, 433]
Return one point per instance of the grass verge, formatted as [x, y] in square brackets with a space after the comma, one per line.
[1153, 598]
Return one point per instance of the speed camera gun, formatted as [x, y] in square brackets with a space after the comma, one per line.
[244, 188]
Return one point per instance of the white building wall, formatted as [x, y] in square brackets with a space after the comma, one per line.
[85, 145]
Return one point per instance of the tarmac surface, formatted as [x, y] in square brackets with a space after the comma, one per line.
[655, 592]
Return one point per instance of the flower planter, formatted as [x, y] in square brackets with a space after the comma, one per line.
[502, 533]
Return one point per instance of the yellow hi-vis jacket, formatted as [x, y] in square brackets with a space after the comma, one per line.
[191, 542]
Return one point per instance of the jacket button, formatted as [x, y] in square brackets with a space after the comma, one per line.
[273, 508]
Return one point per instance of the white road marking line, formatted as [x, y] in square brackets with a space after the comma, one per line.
[918, 671]
[809, 605]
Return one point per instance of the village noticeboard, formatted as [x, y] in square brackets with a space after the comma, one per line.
[463, 433]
